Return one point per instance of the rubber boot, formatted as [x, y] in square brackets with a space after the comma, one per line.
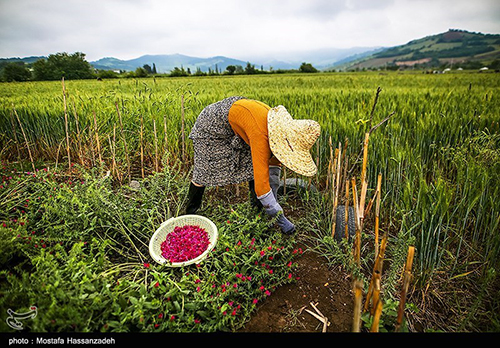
[254, 201]
[195, 196]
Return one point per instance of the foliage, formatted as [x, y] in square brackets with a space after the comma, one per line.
[16, 72]
[59, 65]
[80, 255]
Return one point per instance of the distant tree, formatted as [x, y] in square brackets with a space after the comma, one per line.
[250, 69]
[56, 66]
[154, 69]
[199, 72]
[140, 72]
[176, 72]
[16, 72]
[307, 68]
[106, 74]
[148, 69]
[495, 64]
[230, 69]
[239, 69]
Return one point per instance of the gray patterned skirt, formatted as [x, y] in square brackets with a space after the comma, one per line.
[221, 157]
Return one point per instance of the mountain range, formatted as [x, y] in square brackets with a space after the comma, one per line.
[452, 47]
[166, 62]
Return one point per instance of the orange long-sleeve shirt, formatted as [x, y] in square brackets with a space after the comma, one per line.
[248, 119]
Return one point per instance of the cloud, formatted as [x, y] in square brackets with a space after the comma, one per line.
[236, 28]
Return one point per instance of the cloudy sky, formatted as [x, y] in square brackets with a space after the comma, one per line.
[235, 28]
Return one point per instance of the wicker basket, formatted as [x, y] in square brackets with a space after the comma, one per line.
[168, 226]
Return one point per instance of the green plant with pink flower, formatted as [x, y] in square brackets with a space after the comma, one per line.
[80, 256]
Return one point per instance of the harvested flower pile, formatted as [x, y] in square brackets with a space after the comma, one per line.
[185, 243]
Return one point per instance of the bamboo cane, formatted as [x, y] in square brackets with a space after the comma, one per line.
[358, 293]
[376, 291]
[357, 245]
[66, 124]
[377, 212]
[404, 291]
[377, 272]
[376, 317]
[337, 183]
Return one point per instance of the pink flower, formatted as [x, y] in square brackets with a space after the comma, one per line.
[268, 293]
[185, 243]
[146, 264]
[289, 275]
[172, 317]
[157, 284]
[255, 301]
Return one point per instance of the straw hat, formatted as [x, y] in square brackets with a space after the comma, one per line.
[290, 140]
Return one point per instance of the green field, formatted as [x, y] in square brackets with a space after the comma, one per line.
[438, 156]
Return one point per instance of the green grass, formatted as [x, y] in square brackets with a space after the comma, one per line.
[438, 155]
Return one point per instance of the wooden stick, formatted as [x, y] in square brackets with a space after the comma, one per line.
[97, 138]
[370, 132]
[156, 146]
[365, 157]
[377, 211]
[182, 128]
[377, 272]
[142, 150]
[78, 135]
[25, 139]
[14, 131]
[165, 149]
[358, 293]
[334, 190]
[376, 291]
[347, 209]
[376, 317]
[406, 283]
[66, 123]
[124, 140]
[337, 183]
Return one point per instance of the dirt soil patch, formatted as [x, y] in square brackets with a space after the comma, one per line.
[317, 285]
[285, 310]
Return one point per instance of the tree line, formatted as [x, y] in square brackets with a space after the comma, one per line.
[75, 67]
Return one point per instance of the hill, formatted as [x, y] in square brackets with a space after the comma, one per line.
[166, 62]
[454, 47]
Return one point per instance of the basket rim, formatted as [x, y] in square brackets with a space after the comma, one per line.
[161, 260]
